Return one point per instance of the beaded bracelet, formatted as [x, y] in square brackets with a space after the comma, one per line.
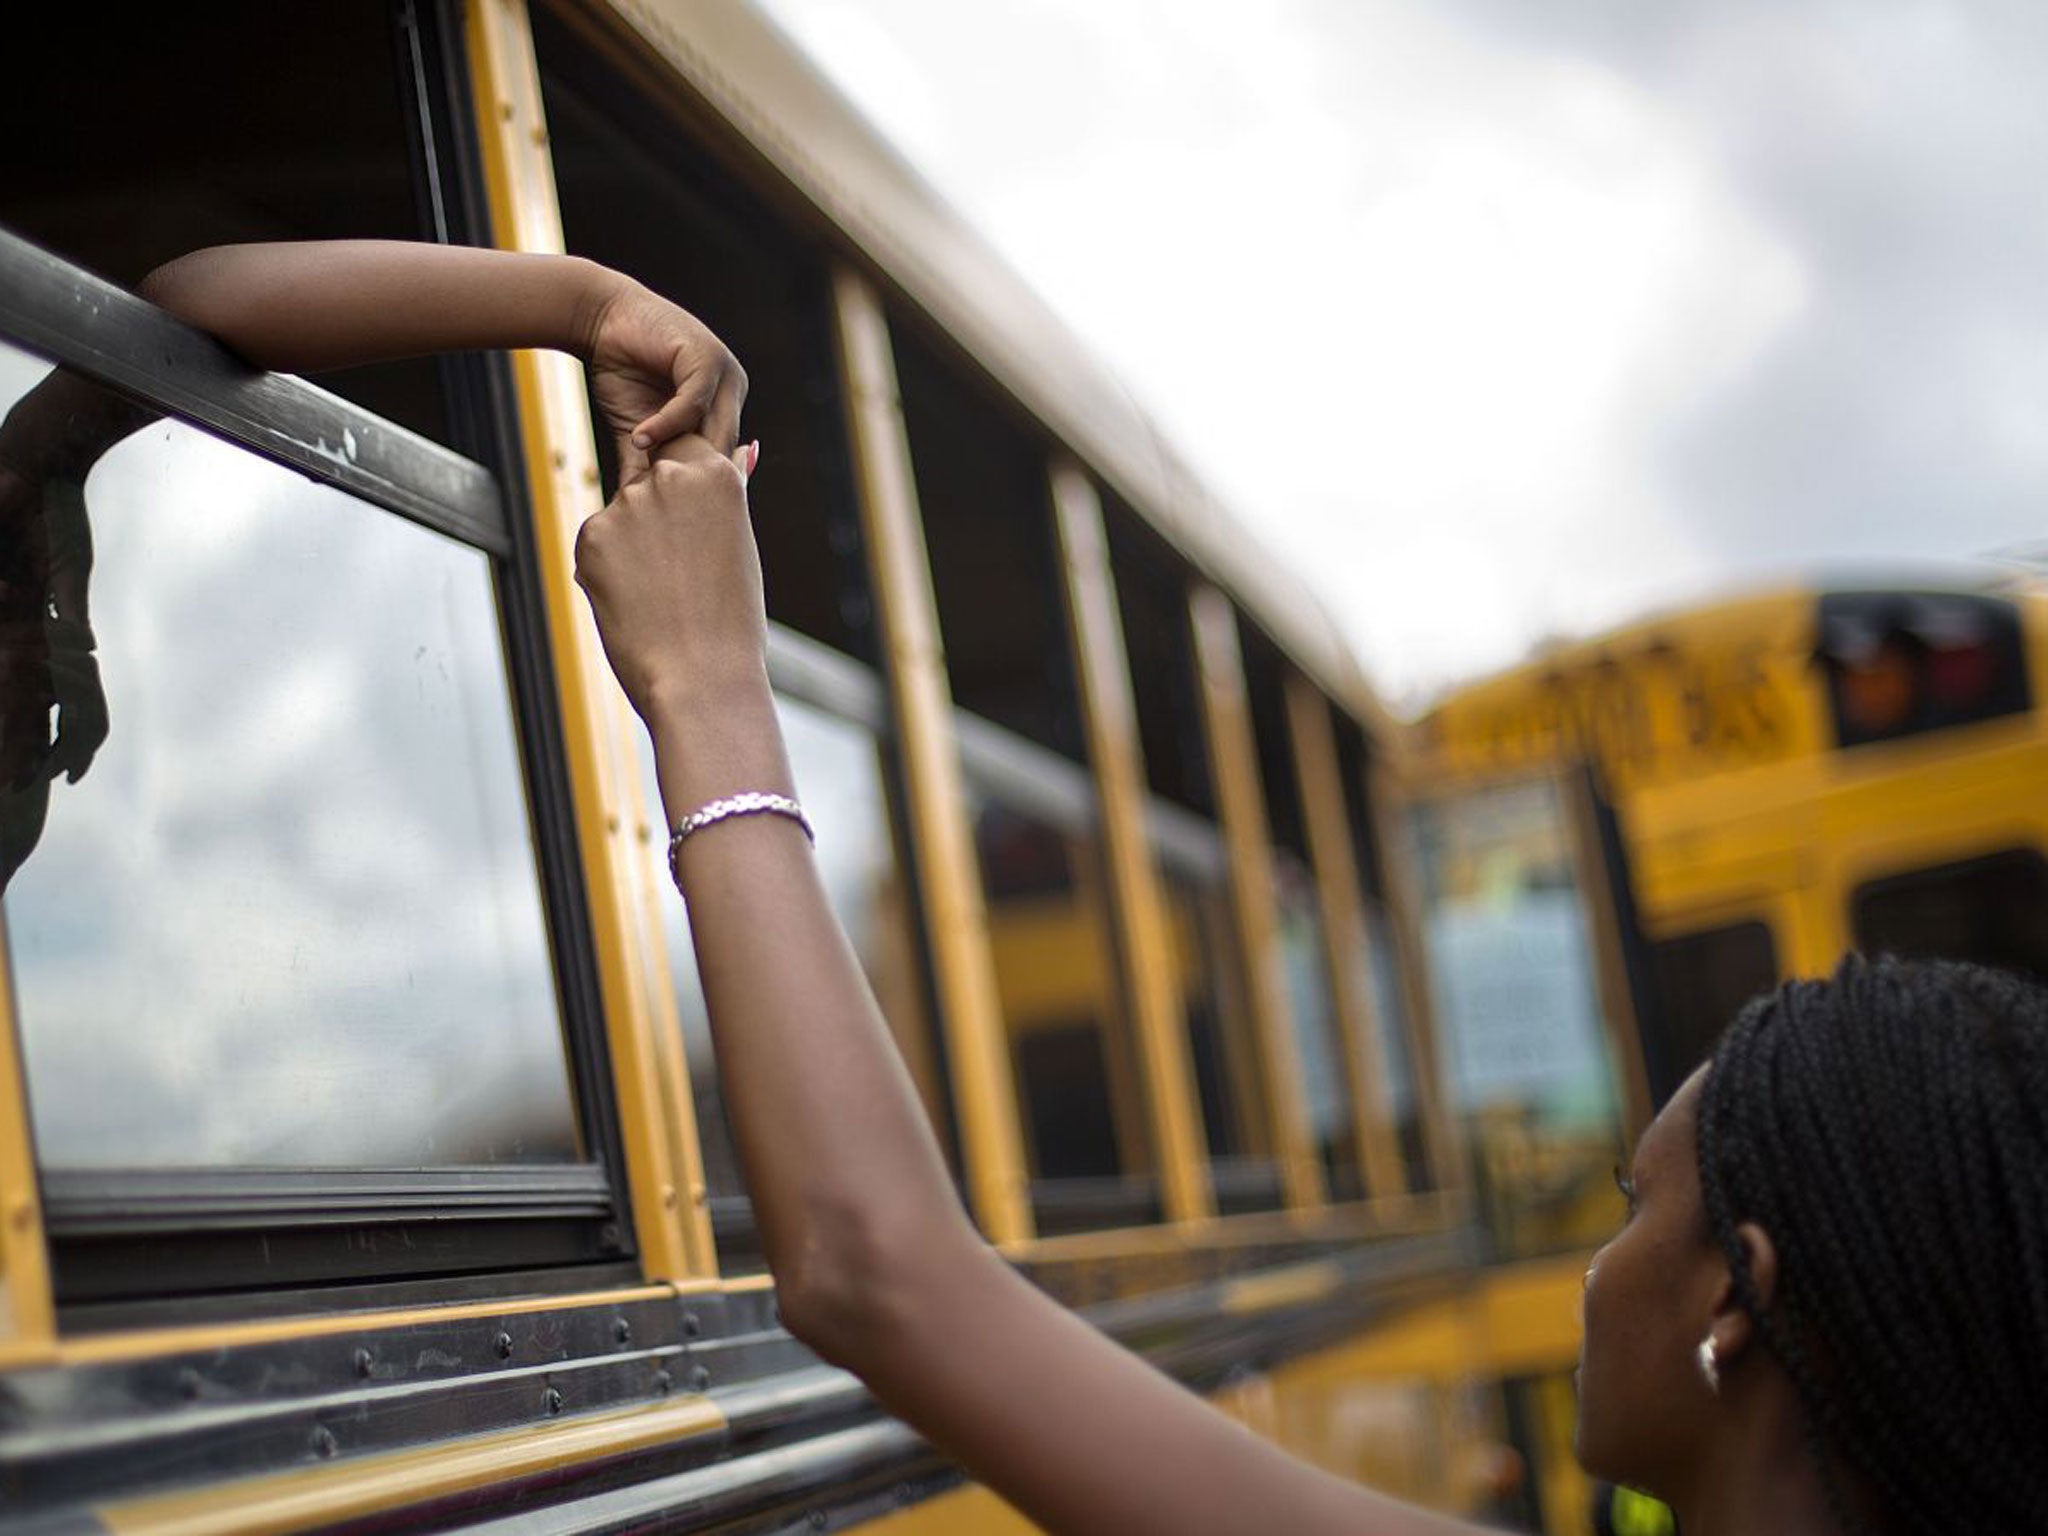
[753, 802]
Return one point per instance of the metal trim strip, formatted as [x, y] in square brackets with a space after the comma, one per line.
[96, 329]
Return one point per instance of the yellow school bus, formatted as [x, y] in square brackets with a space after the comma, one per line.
[1795, 774]
[361, 1160]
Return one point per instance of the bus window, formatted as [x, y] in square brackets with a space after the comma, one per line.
[1512, 966]
[1298, 913]
[1152, 595]
[290, 926]
[983, 490]
[640, 197]
[981, 484]
[1223, 1049]
[294, 129]
[835, 755]
[1380, 956]
[1703, 979]
[1993, 910]
[1073, 1051]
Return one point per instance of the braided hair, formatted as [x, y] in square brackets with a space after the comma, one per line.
[1888, 1128]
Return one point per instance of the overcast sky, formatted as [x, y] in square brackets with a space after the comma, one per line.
[1501, 319]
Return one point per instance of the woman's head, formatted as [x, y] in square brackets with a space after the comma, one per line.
[1862, 1209]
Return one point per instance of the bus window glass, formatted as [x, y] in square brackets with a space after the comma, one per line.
[1993, 910]
[1390, 1010]
[1703, 979]
[981, 485]
[1222, 1049]
[291, 916]
[1080, 1104]
[839, 777]
[1379, 955]
[638, 195]
[1312, 1006]
[1152, 599]
[290, 125]
[1512, 967]
[1304, 954]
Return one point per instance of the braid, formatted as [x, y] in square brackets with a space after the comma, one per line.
[1889, 1129]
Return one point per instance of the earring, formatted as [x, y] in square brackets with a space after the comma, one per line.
[1710, 1363]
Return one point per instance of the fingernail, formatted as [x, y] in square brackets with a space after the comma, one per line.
[641, 439]
[753, 457]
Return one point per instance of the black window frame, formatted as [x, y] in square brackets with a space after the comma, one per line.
[1042, 782]
[2017, 854]
[1188, 848]
[131, 1246]
[1687, 1035]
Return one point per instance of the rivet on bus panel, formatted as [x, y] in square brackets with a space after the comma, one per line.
[503, 1344]
[700, 1378]
[551, 1400]
[365, 1362]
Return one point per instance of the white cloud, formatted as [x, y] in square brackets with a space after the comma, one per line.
[290, 914]
[1416, 303]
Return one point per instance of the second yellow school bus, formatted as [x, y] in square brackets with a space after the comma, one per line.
[1795, 774]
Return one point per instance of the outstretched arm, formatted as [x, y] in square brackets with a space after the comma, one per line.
[876, 1265]
[306, 306]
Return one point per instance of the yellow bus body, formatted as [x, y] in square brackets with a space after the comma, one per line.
[272, 1349]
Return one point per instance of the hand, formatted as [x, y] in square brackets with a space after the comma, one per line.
[658, 372]
[48, 444]
[674, 578]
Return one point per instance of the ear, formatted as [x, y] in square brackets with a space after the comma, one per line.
[1732, 1329]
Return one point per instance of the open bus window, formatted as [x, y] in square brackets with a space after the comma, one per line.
[841, 779]
[1390, 1009]
[1073, 1051]
[1379, 956]
[996, 581]
[1223, 1049]
[996, 577]
[1312, 1006]
[1993, 910]
[641, 196]
[1326, 1089]
[1703, 979]
[290, 917]
[291, 126]
[1152, 598]
[1511, 961]
[1209, 969]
